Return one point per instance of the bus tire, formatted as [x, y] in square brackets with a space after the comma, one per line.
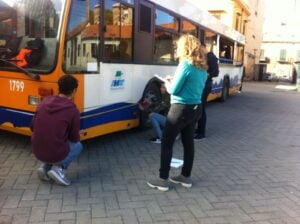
[225, 90]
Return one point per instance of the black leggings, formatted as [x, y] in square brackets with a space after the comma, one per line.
[181, 119]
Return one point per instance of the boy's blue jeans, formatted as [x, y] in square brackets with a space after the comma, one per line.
[75, 150]
[158, 122]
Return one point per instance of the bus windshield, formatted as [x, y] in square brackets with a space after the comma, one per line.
[28, 33]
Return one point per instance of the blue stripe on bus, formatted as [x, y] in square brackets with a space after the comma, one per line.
[18, 118]
[107, 114]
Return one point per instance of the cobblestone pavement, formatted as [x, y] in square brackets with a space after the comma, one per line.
[246, 171]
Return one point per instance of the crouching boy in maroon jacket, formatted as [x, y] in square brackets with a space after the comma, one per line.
[55, 138]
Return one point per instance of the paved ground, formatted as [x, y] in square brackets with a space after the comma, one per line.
[246, 171]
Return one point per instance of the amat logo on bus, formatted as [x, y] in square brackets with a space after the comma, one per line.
[118, 81]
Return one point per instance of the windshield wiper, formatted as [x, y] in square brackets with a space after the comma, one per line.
[28, 73]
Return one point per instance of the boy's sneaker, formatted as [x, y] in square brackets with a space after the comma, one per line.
[199, 137]
[42, 173]
[155, 140]
[159, 184]
[57, 174]
[184, 181]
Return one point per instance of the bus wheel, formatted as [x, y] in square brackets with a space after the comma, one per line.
[225, 90]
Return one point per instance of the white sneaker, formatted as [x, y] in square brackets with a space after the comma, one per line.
[155, 140]
[56, 173]
[42, 173]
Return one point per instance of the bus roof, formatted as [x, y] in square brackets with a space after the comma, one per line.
[193, 12]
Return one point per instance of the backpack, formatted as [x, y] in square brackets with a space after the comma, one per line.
[213, 66]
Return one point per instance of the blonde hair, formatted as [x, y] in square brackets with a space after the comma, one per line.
[192, 51]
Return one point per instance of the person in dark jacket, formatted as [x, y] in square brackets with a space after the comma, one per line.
[56, 127]
[212, 71]
[157, 110]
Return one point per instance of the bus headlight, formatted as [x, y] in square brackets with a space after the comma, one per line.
[34, 100]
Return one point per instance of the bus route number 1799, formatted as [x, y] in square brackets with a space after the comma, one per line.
[16, 85]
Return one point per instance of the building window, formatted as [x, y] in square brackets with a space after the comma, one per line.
[298, 55]
[262, 55]
[244, 27]
[237, 21]
[282, 56]
[83, 50]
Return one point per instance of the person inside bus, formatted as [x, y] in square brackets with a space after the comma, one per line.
[55, 138]
[157, 110]
[212, 71]
[186, 88]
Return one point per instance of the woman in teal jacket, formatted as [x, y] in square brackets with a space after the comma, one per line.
[186, 88]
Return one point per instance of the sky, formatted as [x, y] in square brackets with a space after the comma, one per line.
[282, 18]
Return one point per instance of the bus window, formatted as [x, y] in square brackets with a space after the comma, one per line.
[210, 40]
[240, 55]
[189, 28]
[118, 35]
[81, 47]
[21, 22]
[166, 32]
[226, 51]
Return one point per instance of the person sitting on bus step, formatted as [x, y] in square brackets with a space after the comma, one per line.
[157, 112]
[212, 71]
[55, 138]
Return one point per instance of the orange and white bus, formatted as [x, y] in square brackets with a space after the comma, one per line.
[113, 47]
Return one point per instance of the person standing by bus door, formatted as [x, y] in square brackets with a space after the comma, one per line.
[186, 88]
[212, 71]
[55, 138]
